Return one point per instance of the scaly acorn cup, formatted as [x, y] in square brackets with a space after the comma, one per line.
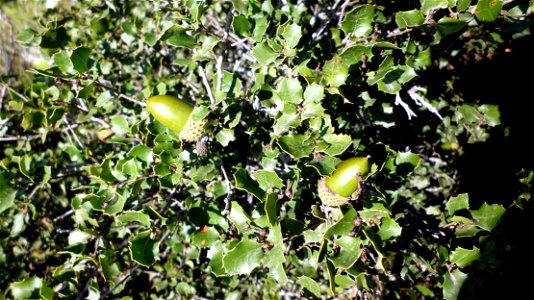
[176, 115]
[344, 183]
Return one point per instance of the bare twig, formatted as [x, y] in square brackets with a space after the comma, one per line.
[421, 101]
[73, 132]
[229, 192]
[206, 84]
[409, 111]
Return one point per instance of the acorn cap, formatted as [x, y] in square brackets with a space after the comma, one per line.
[328, 197]
[193, 130]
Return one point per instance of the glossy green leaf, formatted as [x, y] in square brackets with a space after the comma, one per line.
[433, 5]
[275, 258]
[453, 283]
[216, 252]
[359, 20]
[290, 91]
[241, 25]
[325, 165]
[335, 72]
[310, 286]
[225, 136]
[27, 289]
[271, 208]
[205, 237]
[239, 217]
[134, 216]
[264, 54]
[447, 26]
[349, 252]
[463, 5]
[297, 145]
[291, 34]
[285, 122]
[488, 216]
[244, 258]
[268, 180]
[7, 193]
[457, 203]
[338, 143]
[143, 248]
[141, 152]
[180, 38]
[55, 38]
[488, 10]
[63, 61]
[407, 157]
[80, 59]
[244, 182]
[389, 229]
[464, 257]
[410, 18]
[343, 226]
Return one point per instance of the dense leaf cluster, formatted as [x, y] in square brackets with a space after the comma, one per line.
[98, 200]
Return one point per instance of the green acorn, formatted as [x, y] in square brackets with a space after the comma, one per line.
[176, 115]
[344, 183]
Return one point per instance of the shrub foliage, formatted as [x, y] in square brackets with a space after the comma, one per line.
[98, 200]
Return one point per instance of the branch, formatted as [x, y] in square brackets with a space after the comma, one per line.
[409, 112]
[229, 192]
[206, 84]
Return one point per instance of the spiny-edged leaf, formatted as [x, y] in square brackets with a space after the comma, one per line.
[268, 180]
[133, 216]
[244, 258]
[7, 193]
[324, 165]
[349, 252]
[290, 91]
[309, 286]
[225, 136]
[447, 26]
[264, 54]
[453, 283]
[285, 122]
[63, 61]
[239, 217]
[331, 269]
[488, 216]
[143, 248]
[180, 38]
[410, 18]
[336, 72]
[488, 10]
[141, 152]
[463, 5]
[275, 258]
[241, 6]
[297, 145]
[313, 93]
[216, 253]
[491, 113]
[205, 237]
[377, 210]
[458, 203]
[344, 225]
[291, 34]
[241, 25]
[407, 157]
[80, 58]
[464, 257]
[27, 289]
[465, 227]
[338, 143]
[389, 228]
[432, 5]
[377, 244]
[244, 182]
[271, 208]
[359, 21]
[356, 54]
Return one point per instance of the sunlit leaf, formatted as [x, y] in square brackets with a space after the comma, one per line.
[244, 258]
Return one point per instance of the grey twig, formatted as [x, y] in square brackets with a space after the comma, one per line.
[229, 192]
